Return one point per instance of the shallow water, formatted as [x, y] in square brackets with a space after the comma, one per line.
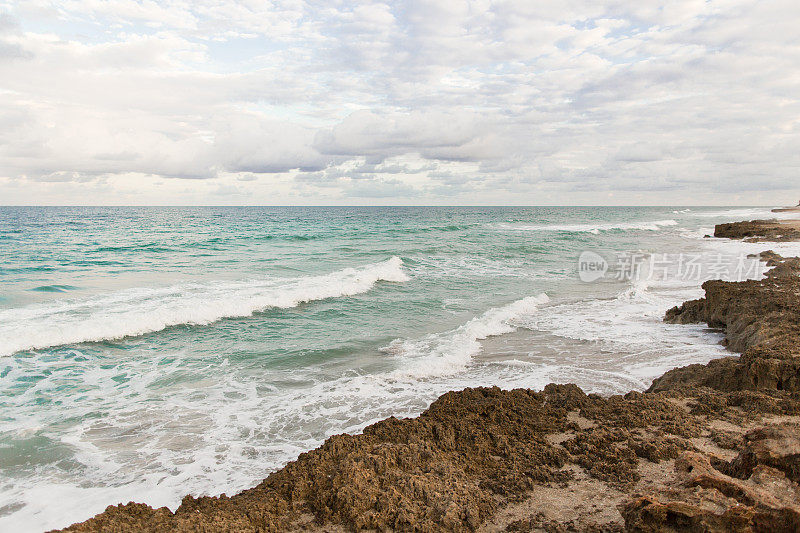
[150, 352]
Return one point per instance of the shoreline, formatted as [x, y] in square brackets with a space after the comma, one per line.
[709, 447]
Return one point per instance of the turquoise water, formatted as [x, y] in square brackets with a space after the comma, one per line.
[150, 352]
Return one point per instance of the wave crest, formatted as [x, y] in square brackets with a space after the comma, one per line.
[654, 225]
[137, 311]
[442, 353]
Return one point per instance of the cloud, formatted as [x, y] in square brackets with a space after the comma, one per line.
[376, 188]
[457, 99]
[386, 134]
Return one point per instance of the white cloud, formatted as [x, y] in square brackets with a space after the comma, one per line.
[432, 102]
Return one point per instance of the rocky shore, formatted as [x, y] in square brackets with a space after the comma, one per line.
[794, 209]
[707, 448]
[760, 230]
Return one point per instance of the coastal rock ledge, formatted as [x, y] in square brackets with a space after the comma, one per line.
[707, 448]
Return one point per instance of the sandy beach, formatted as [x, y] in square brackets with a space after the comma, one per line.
[706, 448]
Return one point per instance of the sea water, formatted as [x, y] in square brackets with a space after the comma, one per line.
[151, 352]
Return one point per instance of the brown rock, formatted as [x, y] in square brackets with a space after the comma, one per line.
[764, 501]
[758, 231]
[761, 318]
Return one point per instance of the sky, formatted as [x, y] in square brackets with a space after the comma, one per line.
[436, 102]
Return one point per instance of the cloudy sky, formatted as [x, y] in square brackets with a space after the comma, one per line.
[405, 102]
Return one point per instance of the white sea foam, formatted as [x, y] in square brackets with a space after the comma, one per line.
[741, 247]
[653, 225]
[443, 353]
[732, 215]
[728, 213]
[627, 333]
[222, 437]
[630, 324]
[137, 311]
[632, 321]
[470, 267]
[738, 247]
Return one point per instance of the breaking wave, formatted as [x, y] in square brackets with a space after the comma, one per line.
[442, 353]
[137, 311]
[597, 228]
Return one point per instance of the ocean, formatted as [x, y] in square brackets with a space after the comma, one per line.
[151, 352]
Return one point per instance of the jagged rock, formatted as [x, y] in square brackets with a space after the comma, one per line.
[474, 451]
[759, 230]
[787, 209]
[764, 500]
[775, 446]
[761, 319]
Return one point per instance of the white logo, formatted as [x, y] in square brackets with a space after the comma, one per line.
[591, 266]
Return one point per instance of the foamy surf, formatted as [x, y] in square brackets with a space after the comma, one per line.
[744, 214]
[596, 229]
[442, 353]
[215, 409]
[138, 311]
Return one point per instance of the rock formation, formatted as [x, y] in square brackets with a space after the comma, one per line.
[760, 231]
[761, 319]
[785, 209]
